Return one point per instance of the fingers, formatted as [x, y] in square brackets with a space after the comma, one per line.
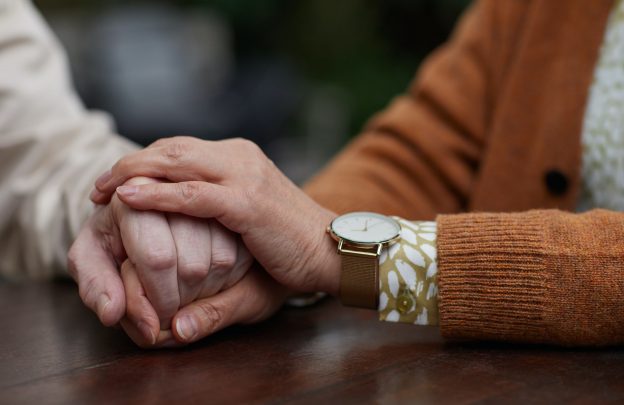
[150, 246]
[254, 298]
[244, 259]
[95, 272]
[142, 323]
[182, 159]
[176, 159]
[194, 198]
[192, 237]
[210, 257]
[223, 259]
[164, 339]
[96, 195]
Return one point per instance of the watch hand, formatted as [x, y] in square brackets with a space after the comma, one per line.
[376, 223]
[363, 229]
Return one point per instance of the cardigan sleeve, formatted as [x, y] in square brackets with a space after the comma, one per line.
[543, 276]
[420, 156]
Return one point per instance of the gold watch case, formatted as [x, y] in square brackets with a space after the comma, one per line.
[378, 245]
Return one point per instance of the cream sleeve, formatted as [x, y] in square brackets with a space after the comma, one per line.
[51, 148]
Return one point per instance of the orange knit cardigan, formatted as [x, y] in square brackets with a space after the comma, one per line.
[488, 140]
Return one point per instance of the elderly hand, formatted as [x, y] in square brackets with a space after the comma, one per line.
[254, 298]
[170, 260]
[235, 183]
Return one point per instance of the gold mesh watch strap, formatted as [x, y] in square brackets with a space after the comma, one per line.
[359, 281]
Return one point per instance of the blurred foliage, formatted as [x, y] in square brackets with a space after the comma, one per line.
[370, 49]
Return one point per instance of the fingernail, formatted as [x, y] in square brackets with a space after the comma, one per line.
[104, 178]
[102, 302]
[186, 327]
[127, 191]
[146, 331]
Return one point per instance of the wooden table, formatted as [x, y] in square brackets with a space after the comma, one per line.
[53, 350]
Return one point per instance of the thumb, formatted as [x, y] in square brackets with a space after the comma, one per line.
[95, 272]
[254, 298]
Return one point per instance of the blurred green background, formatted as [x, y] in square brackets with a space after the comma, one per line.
[298, 77]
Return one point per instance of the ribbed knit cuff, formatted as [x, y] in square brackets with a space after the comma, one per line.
[491, 276]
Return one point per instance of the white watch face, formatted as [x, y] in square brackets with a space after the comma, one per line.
[365, 227]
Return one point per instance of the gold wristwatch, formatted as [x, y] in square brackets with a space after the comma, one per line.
[361, 236]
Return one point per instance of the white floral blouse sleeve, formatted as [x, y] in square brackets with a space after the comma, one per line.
[408, 276]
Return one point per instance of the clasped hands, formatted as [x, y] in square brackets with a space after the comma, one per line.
[192, 236]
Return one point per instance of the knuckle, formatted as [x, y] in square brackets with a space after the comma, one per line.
[193, 272]
[163, 142]
[248, 146]
[175, 150]
[211, 316]
[223, 261]
[189, 191]
[156, 258]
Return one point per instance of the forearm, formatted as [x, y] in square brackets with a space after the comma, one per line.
[45, 204]
[51, 149]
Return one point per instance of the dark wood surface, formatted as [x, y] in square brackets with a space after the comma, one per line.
[53, 350]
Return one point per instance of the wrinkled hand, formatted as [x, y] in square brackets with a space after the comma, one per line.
[254, 298]
[170, 260]
[234, 182]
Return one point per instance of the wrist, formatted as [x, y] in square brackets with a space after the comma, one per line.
[327, 262]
